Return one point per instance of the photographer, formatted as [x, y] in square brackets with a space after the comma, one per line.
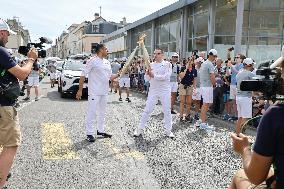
[267, 151]
[188, 82]
[10, 137]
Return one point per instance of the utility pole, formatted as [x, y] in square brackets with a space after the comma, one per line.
[100, 11]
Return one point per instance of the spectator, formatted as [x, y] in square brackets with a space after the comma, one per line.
[244, 98]
[188, 82]
[207, 81]
[218, 101]
[174, 80]
[196, 95]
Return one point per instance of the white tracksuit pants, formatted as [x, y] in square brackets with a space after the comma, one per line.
[153, 97]
[96, 109]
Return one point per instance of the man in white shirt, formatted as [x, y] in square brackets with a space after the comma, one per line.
[160, 89]
[207, 81]
[174, 80]
[99, 73]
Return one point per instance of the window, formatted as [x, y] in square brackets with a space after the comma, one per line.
[201, 24]
[96, 29]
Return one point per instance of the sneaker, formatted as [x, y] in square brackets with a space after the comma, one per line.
[105, 135]
[120, 99]
[206, 127]
[196, 117]
[138, 132]
[197, 123]
[188, 119]
[27, 99]
[128, 100]
[226, 117]
[173, 112]
[170, 134]
[36, 99]
[181, 120]
[90, 138]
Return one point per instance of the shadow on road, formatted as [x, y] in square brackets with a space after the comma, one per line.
[55, 96]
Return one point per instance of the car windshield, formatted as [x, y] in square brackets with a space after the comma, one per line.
[59, 64]
[74, 66]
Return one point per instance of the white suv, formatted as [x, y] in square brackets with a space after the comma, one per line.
[69, 78]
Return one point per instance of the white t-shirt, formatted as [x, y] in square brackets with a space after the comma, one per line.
[99, 72]
[162, 73]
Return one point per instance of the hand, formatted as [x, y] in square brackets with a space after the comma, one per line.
[33, 54]
[150, 73]
[240, 143]
[79, 95]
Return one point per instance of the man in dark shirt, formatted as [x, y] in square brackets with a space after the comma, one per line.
[10, 71]
[268, 149]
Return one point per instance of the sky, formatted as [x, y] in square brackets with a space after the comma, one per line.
[50, 18]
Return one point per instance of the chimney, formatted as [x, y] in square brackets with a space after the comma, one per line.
[124, 21]
[97, 15]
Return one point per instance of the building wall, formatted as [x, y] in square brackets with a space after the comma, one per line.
[207, 24]
[87, 41]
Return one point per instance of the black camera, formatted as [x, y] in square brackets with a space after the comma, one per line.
[271, 85]
[195, 54]
[39, 46]
[231, 49]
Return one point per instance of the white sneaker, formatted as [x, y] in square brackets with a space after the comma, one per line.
[197, 123]
[138, 132]
[170, 134]
[207, 127]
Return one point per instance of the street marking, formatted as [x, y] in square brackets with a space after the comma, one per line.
[56, 144]
[122, 154]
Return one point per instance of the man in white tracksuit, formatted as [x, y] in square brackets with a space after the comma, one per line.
[99, 73]
[160, 89]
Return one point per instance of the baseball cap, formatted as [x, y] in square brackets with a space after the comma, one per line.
[212, 52]
[248, 61]
[5, 26]
[279, 61]
[175, 54]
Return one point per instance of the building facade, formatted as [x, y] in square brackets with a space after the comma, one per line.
[253, 27]
[80, 38]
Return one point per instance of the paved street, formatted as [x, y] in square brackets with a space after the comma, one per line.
[55, 154]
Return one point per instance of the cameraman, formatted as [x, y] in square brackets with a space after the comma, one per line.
[10, 137]
[268, 149]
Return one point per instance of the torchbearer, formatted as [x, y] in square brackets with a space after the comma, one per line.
[159, 73]
[99, 73]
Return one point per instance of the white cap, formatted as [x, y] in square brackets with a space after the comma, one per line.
[200, 59]
[175, 54]
[5, 26]
[212, 52]
[248, 61]
[278, 62]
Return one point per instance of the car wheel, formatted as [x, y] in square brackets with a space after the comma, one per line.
[62, 94]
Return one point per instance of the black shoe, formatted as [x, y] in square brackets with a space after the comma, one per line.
[181, 120]
[188, 119]
[196, 117]
[120, 99]
[173, 112]
[128, 100]
[27, 99]
[105, 135]
[22, 93]
[90, 138]
[8, 176]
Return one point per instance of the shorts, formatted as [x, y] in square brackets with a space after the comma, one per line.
[52, 76]
[226, 96]
[124, 82]
[174, 87]
[185, 92]
[10, 134]
[207, 94]
[33, 81]
[233, 92]
[196, 95]
[244, 106]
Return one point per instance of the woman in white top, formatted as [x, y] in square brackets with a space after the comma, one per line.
[99, 73]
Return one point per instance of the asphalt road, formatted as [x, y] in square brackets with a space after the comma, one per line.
[55, 154]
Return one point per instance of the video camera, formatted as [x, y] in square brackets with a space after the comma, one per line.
[39, 46]
[195, 54]
[271, 85]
